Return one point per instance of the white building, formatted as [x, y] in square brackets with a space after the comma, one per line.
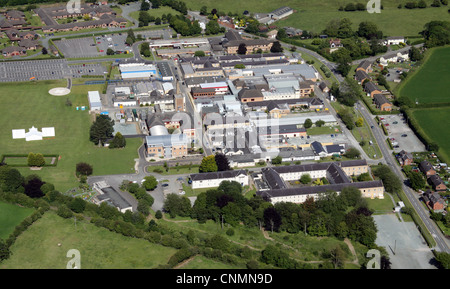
[137, 70]
[395, 40]
[213, 180]
[95, 102]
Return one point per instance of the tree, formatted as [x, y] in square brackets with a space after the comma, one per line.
[305, 179]
[391, 182]
[77, 205]
[416, 180]
[242, 49]
[415, 54]
[272, 219]
[208, 164]
[276, 47]
[150, 183]
[44, 51]
[281, 34]
[222, 162]
[35, 160]
[422, 4]
[83, 169]
[308, 123]
[177, 205]
[352, 153]
[33, 188]
[369, 30]
[319, 123]
[199, 53]
[11, 180]
[101, 130]
[4, 250]
[118, 141]
[359, 122]
[203, 10]
[277, 160]
[110, 51]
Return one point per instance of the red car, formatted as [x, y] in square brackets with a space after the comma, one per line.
[386, 124]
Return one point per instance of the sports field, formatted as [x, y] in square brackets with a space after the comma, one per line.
[314, 15]
[435, 123]
[430, 83]
[29, 104]
[10, 217]
[37, 247]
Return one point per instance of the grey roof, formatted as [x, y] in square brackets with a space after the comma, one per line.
[317, 147]
[217, 175]
[167, 140]
[273, 179]
[370, 87]
[360, 75]
[425, 166]
[318, 189]
[334, 148]
[435, 180]
[112, 197]
[365, 64]
[282, 10]
[380, 99]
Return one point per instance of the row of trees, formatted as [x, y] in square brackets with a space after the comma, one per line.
[102, 130]
[344, 215]
[213, 163]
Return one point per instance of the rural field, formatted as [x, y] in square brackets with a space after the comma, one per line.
[427, 84]
[435, 123]
[10, 217]
[29, 104]
[37, 247]
[314, 15]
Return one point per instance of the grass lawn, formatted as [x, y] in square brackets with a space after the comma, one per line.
[314, 15]
[365, 133]
[10, 217]
[435, 123]
[201, 262]
[28, 104]
[427, 84]
[156, 12]
[37, 247]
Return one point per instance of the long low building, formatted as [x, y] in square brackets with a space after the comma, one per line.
[213, 179]
[371, 189]
[273, 181]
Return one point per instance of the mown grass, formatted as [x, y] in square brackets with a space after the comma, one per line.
[29, 104]
[10, 217]
[37, 247]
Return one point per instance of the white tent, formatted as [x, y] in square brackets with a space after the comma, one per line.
[33, 134]
[18, 133]
[48, 131]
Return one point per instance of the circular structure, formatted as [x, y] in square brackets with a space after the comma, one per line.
[59, 91]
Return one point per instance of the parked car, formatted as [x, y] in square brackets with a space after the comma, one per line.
[404, 135]
[165, 185]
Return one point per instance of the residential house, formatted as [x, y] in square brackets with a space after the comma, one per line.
[365, 66]
[361, 76]
[335, 44]
[13, 51]
[382, 103]
[29, 44]
[426, 168]
[434, 201]
[404, 158]
[323, 86]
[371, 89]
[436, 182]
[394, 40]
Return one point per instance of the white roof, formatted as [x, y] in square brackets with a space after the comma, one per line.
[94, 96]
[18, 133]
[33, 134]
[48, 131]
[220, 84]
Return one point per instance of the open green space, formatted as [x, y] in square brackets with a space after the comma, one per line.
[37, 247]
[156, 12]
[29, 104]
[427, 85]
[314, 15]
[435, 123]
[10, 217]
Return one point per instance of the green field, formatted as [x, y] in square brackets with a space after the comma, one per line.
[37, 247]
[428, 84]
[314, 15]
[435, 123]
[156, 12]
[29, 104]
[10, 217]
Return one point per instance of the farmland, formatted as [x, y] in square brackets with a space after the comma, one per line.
[426, 86]
[314, 15]
[40, 109]
[435, 124]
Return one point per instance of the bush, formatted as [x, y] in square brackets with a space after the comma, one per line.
[64, 212]
[230, 232]
[84, 169]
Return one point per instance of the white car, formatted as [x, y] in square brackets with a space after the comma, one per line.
[182, 193]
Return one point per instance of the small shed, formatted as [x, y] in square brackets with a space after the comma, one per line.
[95, 102]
